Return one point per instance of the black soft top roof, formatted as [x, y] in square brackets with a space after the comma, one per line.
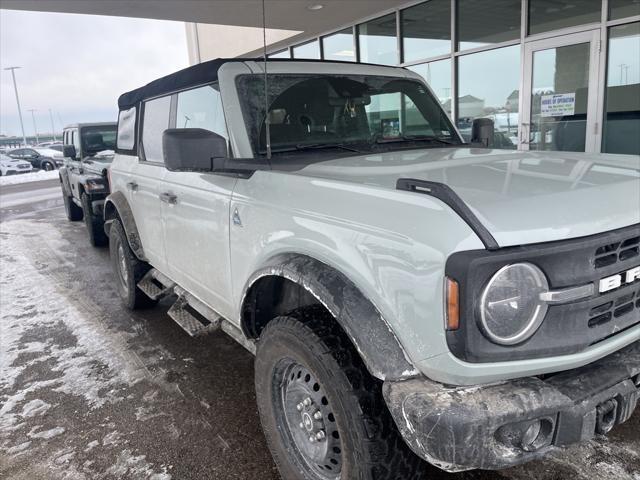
[198, 74]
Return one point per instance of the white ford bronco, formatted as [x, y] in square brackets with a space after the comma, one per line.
[408, 296]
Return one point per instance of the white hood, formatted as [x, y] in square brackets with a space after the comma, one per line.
[520, 197]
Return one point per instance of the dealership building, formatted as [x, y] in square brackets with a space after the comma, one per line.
[561, 75]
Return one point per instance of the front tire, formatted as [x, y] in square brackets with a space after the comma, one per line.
[73, 211]
[47, 166]
[95, 225]
[322, 413]
[127, 269]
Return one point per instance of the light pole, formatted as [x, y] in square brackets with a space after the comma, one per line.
[35, 127]
[53, 129]
[15, 88]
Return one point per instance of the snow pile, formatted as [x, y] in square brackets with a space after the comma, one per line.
[28, 177]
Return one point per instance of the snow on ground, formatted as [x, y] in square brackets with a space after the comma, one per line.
[85, 358]
[28, 177]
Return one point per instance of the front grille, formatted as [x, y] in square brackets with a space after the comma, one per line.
[23, 166]
[615, 252]
[613, 309]
[567, 328]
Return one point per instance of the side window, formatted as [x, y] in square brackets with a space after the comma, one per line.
[126, 129]
[201, 108]
[155, 122]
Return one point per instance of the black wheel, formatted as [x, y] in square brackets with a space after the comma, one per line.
[321, 411]
[128, 269]
[47, 166]
[95, 224]
[73, 211]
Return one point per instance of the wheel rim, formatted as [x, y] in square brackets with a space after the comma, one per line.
[48, 167]
[311, 424]
[121, 263]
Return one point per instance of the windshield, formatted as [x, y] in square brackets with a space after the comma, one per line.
[351, 112]
[97, 139]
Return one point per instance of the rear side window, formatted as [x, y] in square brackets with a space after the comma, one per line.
[201, 108]
[126, 129]
[154, 123]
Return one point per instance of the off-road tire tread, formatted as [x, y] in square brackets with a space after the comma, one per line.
[388, 457]
[136, 298]
[95, 225]
[74, 212]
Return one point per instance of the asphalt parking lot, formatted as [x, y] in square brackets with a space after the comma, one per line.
[90, 391]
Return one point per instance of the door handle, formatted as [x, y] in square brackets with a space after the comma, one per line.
[133, 186]
[167, 197]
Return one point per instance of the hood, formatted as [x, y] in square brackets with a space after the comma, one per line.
[12, 162]
[520, 197]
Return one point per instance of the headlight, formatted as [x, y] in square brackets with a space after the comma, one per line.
[510, 306]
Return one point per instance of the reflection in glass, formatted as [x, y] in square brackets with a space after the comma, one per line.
[201, 108]
[377, 41]
[621, 133]
[426, 30]
[339, 46]
[623, 8]
[488, 88]
[560, 90]
[482, 23]
[438, 77]
[546, 15]
[309, 50]
[280, 54]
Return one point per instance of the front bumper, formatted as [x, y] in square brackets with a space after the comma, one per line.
[500, 425]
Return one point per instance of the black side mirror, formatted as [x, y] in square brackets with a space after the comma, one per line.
[192, 149]
[482, 132]
[69, 151]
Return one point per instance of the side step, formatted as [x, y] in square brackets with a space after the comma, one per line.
[155, 285]
[192, 315]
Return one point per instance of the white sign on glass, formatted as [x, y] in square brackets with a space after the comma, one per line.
[558, 105]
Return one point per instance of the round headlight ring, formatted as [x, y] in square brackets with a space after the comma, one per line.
[542, 285]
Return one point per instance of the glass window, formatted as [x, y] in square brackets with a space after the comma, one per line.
[377, 41]
[438, 77]
[482, 23]
[545, 15]
[560, 90]
[96, 139]
[156, 121]
[621, 133]
[311, 113]
[623, 8]
[127, 128]
[309, 50]
[488, 85]
[280, 54]
[426, 30]
[339, 46]
[201, 108]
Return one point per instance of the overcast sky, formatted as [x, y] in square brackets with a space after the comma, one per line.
[78, 65]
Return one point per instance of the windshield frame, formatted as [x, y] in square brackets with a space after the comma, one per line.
[250, 90]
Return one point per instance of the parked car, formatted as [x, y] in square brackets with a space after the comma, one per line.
[13, 166]
[88, 150]
[407, 296]
[41, 158]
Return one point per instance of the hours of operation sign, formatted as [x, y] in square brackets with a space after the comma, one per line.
[558, 105]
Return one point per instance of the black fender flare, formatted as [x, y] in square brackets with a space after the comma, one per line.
[369, 332]
[116, 207]
[63, 174]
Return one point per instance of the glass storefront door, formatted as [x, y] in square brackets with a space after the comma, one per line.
[560, 94]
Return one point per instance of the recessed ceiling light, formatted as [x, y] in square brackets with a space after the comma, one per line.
[315, 6]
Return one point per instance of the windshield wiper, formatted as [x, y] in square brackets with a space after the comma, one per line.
[413, 138]
[314, 146]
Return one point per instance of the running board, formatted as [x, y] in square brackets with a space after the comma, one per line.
[192, 315]
[155, 285]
